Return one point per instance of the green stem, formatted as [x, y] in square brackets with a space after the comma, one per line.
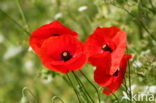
[126, 88]
[139, 21]
[91, 85]
[112, 94]
[85, 90]
[82, 90]
[22, 15]
[130, 82]
[115, 97]
[14, 21]
[74, 88]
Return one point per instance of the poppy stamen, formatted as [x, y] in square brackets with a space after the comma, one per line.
[116, 73]
[55, 34]
[105, 47]
[65, 56]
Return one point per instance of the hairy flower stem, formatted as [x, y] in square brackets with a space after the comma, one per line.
[22, 15]
[82, 85]
[126, 87]
[14, 21]
[82, 90]
[130, 91]
[112, 94]
[74, 88]
[91, 85]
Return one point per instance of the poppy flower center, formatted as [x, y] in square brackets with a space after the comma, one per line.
[116, 73]
[65, 56]
[105, 47]
[55, 34]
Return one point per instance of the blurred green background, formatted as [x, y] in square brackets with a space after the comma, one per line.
[21, 70]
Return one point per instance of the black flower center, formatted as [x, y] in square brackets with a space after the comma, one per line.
[65, 56]
[105, 47]
[55, 34]
[116, 73]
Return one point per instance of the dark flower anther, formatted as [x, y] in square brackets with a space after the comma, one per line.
[116, 73]
[65, 56]
[105, 47]
[55, 34]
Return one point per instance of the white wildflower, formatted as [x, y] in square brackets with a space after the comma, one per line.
[82, 8]
[12, 51]
[145, 52]
[58, 15]
[137, 63]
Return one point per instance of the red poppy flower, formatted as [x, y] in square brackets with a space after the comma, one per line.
[111, 82]
[63, 54]
[111, 42]
[46, 31]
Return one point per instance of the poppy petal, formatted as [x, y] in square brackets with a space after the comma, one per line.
[101, 77]
[42, 33]
[103, 41]
[120, 41]
[117, 80]
[52, 49]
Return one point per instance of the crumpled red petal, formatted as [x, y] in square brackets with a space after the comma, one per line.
[117, 80]
[111, 82]
[54, 28]
[112, 36]
[119, 40]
